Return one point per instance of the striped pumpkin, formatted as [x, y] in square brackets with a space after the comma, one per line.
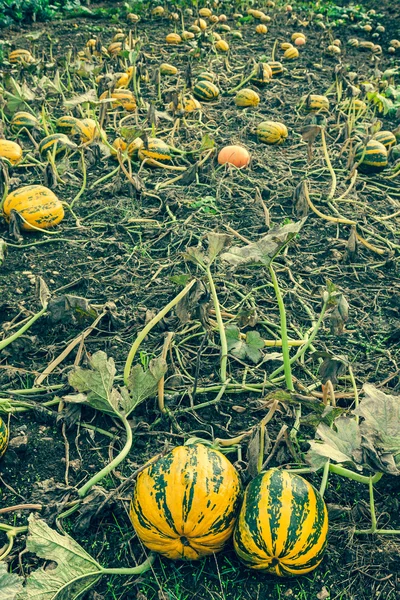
[3, 437]
[276, 68]
[166, 69]
[291, 54]
[66, 124]
[124, 98]
[205, 90]
[173, 38]
[57, 142]
[11, 151]
[372, 157]
[247, 97]
[272, 132]
[185, 504]
[262, 74]
[38, 205]
[23, 119]
[20, 56]
[282, 526]
[88, 130]
[155, 149]
[188, 105]
[314, 102]
[206, 76]
[387, 138]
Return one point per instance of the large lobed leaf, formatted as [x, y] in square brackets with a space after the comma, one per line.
[10, 584]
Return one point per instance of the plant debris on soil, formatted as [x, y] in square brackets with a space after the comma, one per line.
[135, 235]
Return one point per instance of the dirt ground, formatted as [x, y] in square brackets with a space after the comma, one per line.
[128, 255]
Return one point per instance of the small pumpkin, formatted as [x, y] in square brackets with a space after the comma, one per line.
[291, 53]
[188, 105]
[206, 90]
[387, 138]
[286, 45]
[201, 23]
[185, 504]
[247, 97]
[57, 143]
[222, 46]
[23, 119]
[314, 103]
[166, 69]
[158, 11]
[205, 12]
[261, 29]
[116, 48]
[3, 437]
[297, 35]
[206, 76]
[124, 78]
[20, 56]
[187, 35]
[272, 132]
[276, 68]
[372, 157]
[283, 525]
[88, 130]
[11, 151]
[155, 149]
[237, 156]
[173, 38]
[66, 124]
[261, 75]
[38, 205]
[121, 98]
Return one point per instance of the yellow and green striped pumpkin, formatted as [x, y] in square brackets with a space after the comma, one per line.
[272, 132]
[185, 504]
[387, 138]
[262, 74]
[155, 149]
[373, 156]
[23, 119]
[20, 56]
[38, 205]
[166, 69]
[66, 124]
[58, 140]
[276, 68]
[88, 130]
[11, 151]
[315, 102]
[282, 526]
[206, 76]
[247, 97]
[206, 90]
[3, 437]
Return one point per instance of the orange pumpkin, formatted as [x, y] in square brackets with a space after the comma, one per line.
[38, 205]
[237, 156]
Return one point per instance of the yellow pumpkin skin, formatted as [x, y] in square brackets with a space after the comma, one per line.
[123, 98]
[10, 150]
[88, 130]
[247, 97]
[272, 132]
[3, 437]
[166, 69]
[185, 504]
[38, 205]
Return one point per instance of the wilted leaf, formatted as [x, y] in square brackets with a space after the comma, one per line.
[196, 254]
[191, 302]
[75, 573]
[97, 383]
[309, 133]
[64, 306]
[207, 143]
[142, 384]
[10, 584]
[332, 367]
[263, 251]
[216, 243]
[249, 347]
[342, 444]
[89, 96]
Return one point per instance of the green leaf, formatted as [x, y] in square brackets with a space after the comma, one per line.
[10, 584]
[207, 143]
[76, 570]
[342, 444]
[264, 250]
[97, 383]
[248, 347]
[142, 384]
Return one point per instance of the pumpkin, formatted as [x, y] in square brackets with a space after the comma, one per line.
[66, 124]
[20, 56]
[286, 45]
[291, 53]
[173, 38]
[194, 29]
[355, 104]
[187, 35]
[88, 130]
[132, 18]
[206, 76]
[3, 437]
[247, 97]
[314, 102]
[124, 98]
[205, 12]
[213, 19]
[188, 105]
[119, 37]
[353, 42]
[297, 35]
[283, 524]
[300, 41]
[120, 144]
[262, 29]
[372, 157]
[234, 155]
[38, 205]
[124, 78]
[155, 149]
[387, 138]
[201, 23]
[272, 132]
[185, 504]
[116, 48]
[166, 69]
[205, 90]
[57, 142]
[276, 68]
[23, 119]
[261, 75]
[158, 11]
[11, 151]
[222, 46]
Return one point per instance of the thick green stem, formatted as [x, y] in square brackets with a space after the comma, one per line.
[284, 333]
[28, 324]
[221, 328]
[325, 476]
[113, 464]
[145, 566]
[343, 472]
[149, 327]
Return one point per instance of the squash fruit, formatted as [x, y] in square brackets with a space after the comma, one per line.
[38, 205]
